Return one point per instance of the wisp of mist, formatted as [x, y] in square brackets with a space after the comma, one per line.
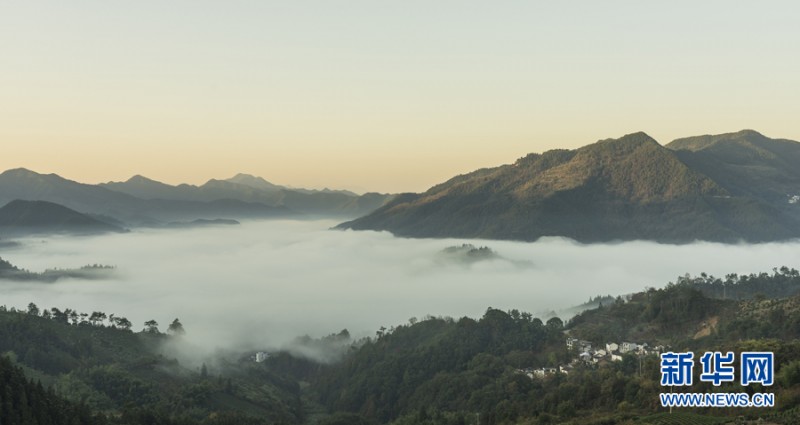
[263, 283]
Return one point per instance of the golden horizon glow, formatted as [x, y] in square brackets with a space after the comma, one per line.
[376, 96]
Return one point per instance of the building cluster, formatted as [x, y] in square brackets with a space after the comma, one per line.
[590, 355]
[611, 352]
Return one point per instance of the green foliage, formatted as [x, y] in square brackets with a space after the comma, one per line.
[176, 328]
[434, 371]
[111, 369]
[27, 403]
[440, 363]
[783, 282]
[343, 418]
[682, 418]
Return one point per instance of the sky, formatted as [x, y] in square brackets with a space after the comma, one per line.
[372, 95]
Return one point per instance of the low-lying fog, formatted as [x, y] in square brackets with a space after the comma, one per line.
[263, 283]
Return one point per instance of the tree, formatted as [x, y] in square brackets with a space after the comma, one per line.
[176, 328]
[122, 323]
[97, 318]
[33, 310]
[151, 326]
[59, 316]
[555, 323]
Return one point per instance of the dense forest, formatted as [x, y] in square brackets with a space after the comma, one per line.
[96, 360]
[24, 402]
[95, 368]
[783, 282]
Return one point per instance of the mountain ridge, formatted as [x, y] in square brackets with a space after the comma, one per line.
[614, 189]
[746, 163]
[249, 188]
[20, 216]
[28, 185]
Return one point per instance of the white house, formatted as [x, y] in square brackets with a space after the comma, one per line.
[628, 346]
[611, 347]
[616, 358]
[579, 343]
[542, 372]
[261, 356]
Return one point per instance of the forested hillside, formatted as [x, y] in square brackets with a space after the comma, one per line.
[97, 360]
[25, 402]
[725, 188]
[506, 367]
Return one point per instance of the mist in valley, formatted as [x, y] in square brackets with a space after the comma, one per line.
[262, 284]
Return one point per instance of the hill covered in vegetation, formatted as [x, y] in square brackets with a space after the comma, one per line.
[506, 367]
[96, 360]
[20, 217]
[615, 189]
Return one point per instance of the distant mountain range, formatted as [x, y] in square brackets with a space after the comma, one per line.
[144, 202]
[252, 189]
[731, 187]
[25, 217]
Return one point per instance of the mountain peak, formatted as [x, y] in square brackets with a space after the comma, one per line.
[639, 135]
[631, 140]
[253, 181]
[697, 143]
[24, 174]
[244, 176]
[748, 132]
[615, 189]
[20, 172]
[140, 179]
[746, 162]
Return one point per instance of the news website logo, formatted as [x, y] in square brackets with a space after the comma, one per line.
[755, 367]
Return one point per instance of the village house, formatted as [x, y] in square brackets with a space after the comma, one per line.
[545, 371]
[580, 344]
[537, 373]
[613, 353]
[627, 347]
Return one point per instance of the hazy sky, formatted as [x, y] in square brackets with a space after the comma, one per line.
[376, 95]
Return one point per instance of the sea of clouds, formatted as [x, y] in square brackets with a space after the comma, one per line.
[263, 283]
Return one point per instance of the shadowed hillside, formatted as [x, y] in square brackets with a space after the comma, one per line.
[22, 217]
